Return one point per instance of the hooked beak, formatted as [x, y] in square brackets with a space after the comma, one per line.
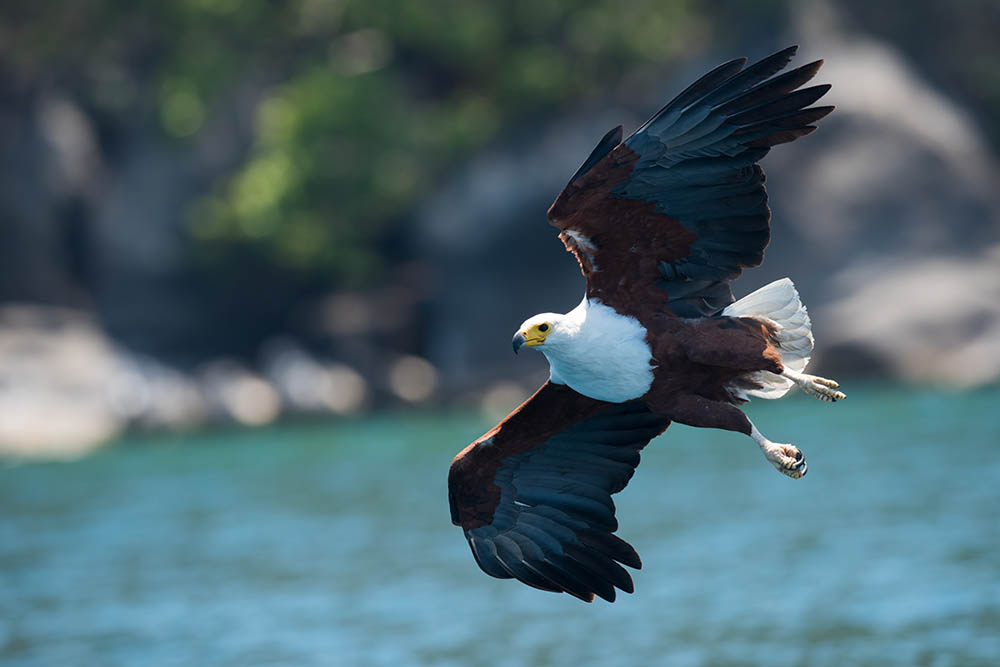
[519, 341]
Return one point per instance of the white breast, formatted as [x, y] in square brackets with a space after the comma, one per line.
[600, 353]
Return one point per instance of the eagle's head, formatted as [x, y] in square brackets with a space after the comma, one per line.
[545, 329]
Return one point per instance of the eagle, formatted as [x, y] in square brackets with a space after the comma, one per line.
[660, 224]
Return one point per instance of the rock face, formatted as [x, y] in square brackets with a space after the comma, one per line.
[887, 219]
[52, 399]
[934, 320]
[890, 223]
[66, 387]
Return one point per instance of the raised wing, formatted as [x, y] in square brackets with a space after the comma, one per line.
[665, 220]
[533, 495]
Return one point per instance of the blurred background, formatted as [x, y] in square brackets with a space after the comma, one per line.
[268, 256]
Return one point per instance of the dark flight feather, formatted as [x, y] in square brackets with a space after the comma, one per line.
[551, 524]
[655, 210]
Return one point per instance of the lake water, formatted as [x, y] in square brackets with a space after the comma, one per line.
[331, 545]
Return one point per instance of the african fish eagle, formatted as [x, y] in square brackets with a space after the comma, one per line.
[660, 224]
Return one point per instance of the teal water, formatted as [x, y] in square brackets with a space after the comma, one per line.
[331, 545]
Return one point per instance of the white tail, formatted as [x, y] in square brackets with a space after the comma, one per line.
[779, 303]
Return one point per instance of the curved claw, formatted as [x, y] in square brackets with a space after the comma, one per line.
[788, 459]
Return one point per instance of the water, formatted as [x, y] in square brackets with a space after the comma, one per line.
[331, 545]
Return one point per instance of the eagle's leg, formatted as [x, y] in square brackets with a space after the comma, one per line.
[705, 413]
[821, 388]
[701, 412]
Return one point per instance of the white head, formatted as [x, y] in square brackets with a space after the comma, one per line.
[546, 331]
[592, 349]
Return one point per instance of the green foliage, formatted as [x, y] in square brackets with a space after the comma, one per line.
[389, 95]
[358, 105]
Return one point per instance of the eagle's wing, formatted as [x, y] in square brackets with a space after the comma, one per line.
[533, 495]
[666, 219]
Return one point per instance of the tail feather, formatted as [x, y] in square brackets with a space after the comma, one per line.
[778, 303]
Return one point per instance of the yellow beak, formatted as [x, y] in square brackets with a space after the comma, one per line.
[521, 339]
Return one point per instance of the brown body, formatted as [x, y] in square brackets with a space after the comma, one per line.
[699, 364]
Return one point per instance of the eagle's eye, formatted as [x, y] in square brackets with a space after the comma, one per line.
[543, 327]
